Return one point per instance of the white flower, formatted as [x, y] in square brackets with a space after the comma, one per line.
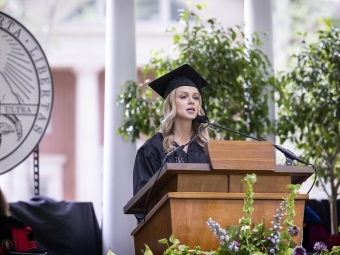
[245, 227]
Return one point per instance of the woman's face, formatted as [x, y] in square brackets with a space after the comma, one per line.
[187, 100]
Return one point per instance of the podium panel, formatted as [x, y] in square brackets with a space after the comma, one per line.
[241, 155]
[185, 215]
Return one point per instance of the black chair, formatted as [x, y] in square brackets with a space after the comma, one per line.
[61, 227]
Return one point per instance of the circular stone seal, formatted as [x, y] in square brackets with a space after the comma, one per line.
[26, 93]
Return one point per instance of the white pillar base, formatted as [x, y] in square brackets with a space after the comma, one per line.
[88, 163]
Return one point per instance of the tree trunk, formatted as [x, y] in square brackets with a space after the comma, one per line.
[334, 214]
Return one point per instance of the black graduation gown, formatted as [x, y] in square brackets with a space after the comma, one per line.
[150, 156]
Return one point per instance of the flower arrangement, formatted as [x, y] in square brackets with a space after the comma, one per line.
[252, 239]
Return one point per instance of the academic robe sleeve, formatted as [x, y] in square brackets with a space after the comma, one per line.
[147, 163]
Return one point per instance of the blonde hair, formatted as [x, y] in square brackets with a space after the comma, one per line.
[4, 207]
[167, 125]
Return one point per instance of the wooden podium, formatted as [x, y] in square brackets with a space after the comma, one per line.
[186, 195]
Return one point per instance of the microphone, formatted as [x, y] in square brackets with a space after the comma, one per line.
[290, 156]
[202, 119]
[172, 152]
[175, 150]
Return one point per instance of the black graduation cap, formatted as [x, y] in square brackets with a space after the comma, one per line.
[184, 75]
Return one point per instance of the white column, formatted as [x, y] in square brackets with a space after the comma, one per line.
[258, 18]
[100, 7]
[281, 33]
[164, 11]
[51, 175]
[88, 164]
[18, 184]
[118, 154]
[50, 178]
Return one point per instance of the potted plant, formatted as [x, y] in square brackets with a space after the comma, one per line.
[248, 238]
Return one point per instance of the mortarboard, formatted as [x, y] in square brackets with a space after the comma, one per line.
[184, 75]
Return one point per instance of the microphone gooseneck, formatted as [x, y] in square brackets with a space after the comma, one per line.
[172, 152]
[175, 150]
[204, 119]
[289, 154]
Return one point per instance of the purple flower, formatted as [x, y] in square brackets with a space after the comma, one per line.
[320, 246]
[233, 246]
[218, 231]
[294, 231]
[298, 250]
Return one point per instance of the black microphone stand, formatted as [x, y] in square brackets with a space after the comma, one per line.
[236, 132]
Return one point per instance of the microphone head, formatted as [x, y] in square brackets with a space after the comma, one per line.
[202, 119]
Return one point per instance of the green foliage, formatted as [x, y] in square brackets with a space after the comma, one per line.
[234, 66]
[110, 252]
[141, 111]
[285, 237]
[309, 106]
[147, 250]
[248, 208]
[289, 204]
[251, 240]
[177, 249]
[335, 250]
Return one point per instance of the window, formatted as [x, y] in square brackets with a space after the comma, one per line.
[147, 9]
[174, 7]
[151, 10]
